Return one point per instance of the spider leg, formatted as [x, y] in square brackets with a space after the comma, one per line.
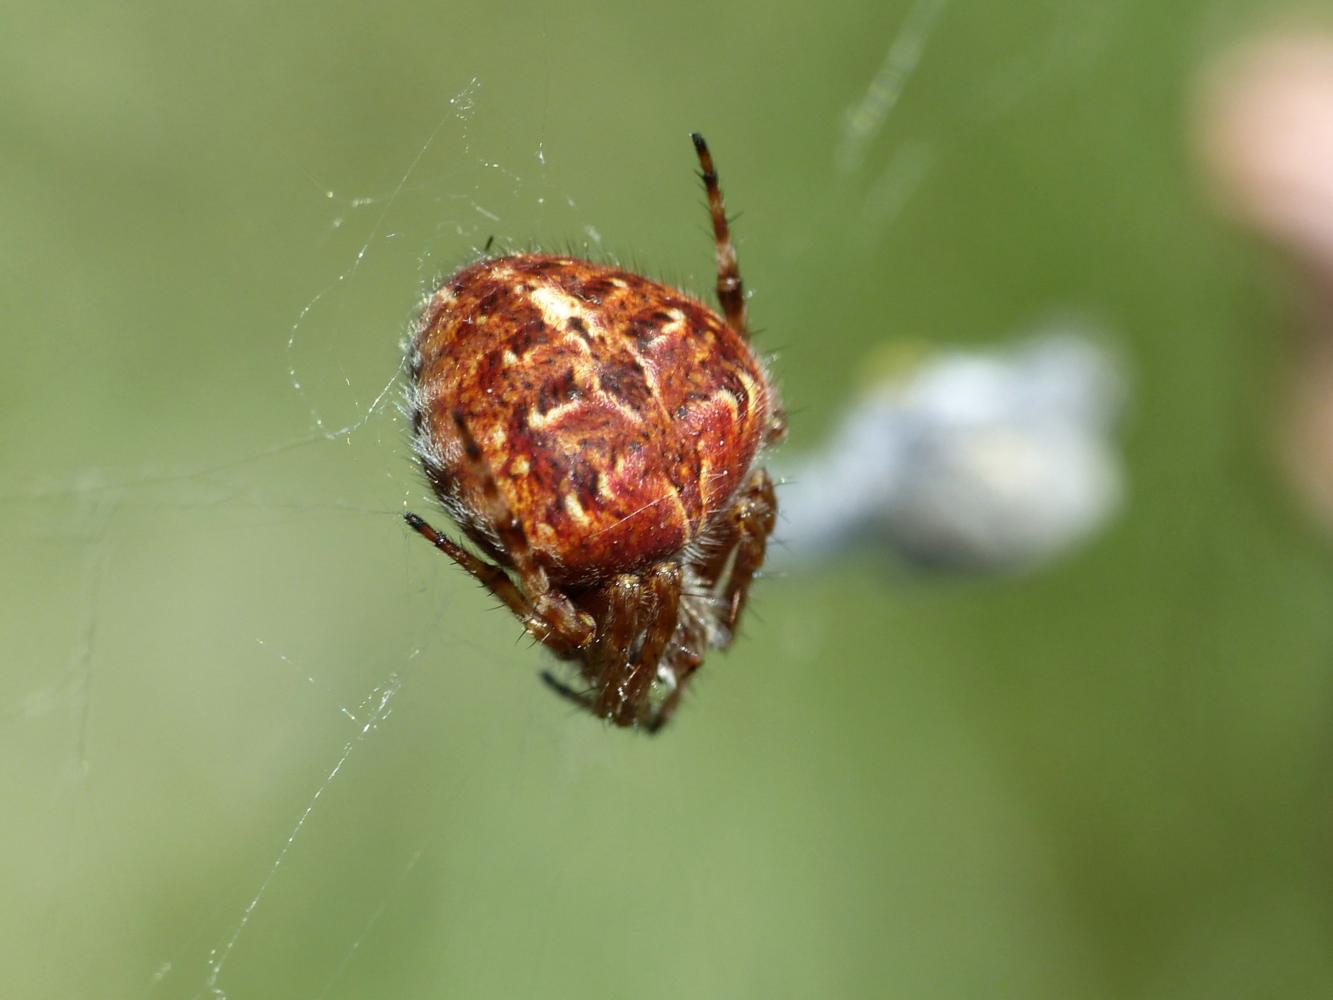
[549, 616]
[662, 604]
[495, 580]
[617, 607]
[723, 536]
[730, 293]
[742, 541]
[582, 699]
[555, 615]
[683, 663]
[638, 616]
[607, 667]
[755, 513]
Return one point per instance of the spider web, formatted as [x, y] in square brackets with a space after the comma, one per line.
[340, 353]
[338, 664]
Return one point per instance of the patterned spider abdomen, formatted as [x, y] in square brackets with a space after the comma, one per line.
[616, 415]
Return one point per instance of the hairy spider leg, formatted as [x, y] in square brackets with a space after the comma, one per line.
[628, 699]
[621, 608]
[740, 541]
[559, 614]
[755, 514]
[582, 699]
[684, 662]
[743, 542]
[495, 580]
[549, 616]
[633, 608]
[730, 293]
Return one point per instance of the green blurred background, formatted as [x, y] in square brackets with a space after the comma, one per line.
[256, 740]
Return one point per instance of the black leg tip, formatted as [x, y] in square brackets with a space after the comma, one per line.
[413, 521]
[699, 145]
[562, 689]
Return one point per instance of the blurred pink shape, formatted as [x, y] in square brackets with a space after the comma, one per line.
[1267, 133]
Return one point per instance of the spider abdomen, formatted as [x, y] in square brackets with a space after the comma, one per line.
[616, 415]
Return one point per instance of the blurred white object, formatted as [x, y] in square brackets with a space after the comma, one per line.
[972, 460]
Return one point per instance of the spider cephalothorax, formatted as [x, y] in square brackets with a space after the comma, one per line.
[596, 434]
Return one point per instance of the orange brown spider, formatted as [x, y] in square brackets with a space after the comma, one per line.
[597, 435]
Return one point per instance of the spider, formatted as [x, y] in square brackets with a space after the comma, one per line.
[597, 436]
